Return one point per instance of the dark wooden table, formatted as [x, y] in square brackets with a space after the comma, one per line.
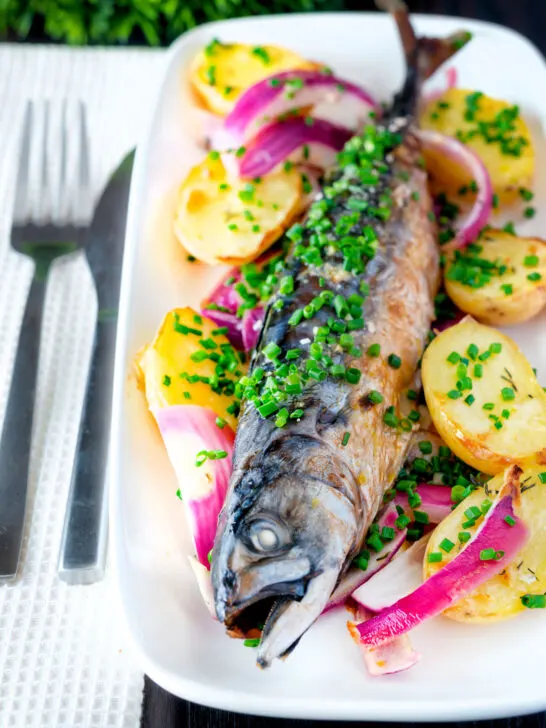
[161, 709]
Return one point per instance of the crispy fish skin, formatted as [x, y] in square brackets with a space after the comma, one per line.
[302, 497]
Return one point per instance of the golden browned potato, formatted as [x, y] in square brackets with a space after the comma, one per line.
[494, 129]
[500, 597]
[501, 279]
[484, 398]
[224, 219]
[177, 349]
[222, 71]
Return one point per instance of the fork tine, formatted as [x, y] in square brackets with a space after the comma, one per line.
[45, 190]
[64, 158]
[64, 194]
[20, 208]
[81, 200]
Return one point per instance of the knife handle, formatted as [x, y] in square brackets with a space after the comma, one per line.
[82, 555]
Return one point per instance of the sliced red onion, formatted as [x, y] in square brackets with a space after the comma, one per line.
[276, 142]
[436, 501]
[229, 321]
[460, 576]
[355, 577]
[478, 216]
[387, 659]
[204, 582]
[226, 297]
[252, 325]
[224, 294]
[402, 576]
[279, 94]
[187, 430]
[242, 332]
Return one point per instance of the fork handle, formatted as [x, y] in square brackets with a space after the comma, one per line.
[83, 546]
[16, 434]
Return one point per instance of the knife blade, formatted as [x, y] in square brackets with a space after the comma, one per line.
[82, 553]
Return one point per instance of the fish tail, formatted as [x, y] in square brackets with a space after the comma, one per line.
[423, 55]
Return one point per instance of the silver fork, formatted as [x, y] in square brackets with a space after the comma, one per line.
[45, 227]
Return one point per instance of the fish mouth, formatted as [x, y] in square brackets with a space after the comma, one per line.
[289, 619]
[286, 609]
[257, 587]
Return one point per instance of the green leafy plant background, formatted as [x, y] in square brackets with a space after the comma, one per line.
[149, 22]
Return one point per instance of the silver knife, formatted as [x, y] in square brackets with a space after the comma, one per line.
[82, 554]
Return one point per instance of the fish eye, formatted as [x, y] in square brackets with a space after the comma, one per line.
[264, 537]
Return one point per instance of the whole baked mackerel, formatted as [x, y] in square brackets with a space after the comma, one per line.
[321, 436]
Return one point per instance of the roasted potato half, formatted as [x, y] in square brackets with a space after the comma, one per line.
[224, 219]
[484, 398]
[500, 597]
[222, 71]
[501, 279]
[177, 349]
[494, 129]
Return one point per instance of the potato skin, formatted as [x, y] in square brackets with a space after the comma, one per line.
[490, 304]
[169, 354]
[508, 173]
[468, 428]
[221, 72]
[500, 597]
[205, 211]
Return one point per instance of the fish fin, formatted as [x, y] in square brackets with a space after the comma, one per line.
[423, 55]
[434, 52]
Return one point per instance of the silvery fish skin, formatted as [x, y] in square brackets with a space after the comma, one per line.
[300, 501]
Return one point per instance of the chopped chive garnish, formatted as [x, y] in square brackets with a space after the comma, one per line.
[353, 375]
[345, 439]
[472, 351]
[447, 545]
[252, 642]
[508, 394]
[534, 601]
[375, 397]
[434, 557]
[394, 361]
[362, 560]
[387, 533]
[487, 554]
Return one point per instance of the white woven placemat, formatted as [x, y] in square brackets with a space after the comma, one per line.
[62, 660]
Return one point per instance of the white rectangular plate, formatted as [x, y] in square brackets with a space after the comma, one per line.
[466, 671]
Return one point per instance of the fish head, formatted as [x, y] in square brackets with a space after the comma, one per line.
[292, 528]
